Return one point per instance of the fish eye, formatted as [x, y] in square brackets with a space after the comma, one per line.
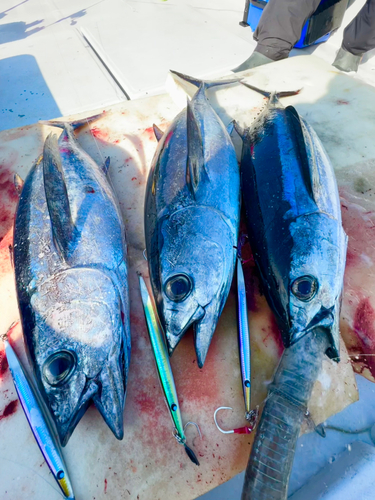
[178, 287]
[58, 367]
[305, 287]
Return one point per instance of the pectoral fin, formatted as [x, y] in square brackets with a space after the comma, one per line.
[195, 162]
[57, 199]
[308, 167]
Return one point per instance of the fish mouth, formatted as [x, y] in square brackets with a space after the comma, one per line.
[326, 319]
[65, 429]
[204, 321]
[205, 329]
[107, 392]
[174, 339]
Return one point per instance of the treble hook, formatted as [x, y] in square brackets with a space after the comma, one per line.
[251, 417]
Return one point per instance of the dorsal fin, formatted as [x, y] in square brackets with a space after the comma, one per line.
[195, 153]
[307, 170]
[158, 133]
[105, 165]
[57, 199]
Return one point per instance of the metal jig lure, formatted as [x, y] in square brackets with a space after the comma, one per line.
[38, 421]
[245, 358]
[164, 369]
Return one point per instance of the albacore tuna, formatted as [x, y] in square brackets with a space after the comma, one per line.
[71, 278]
[192, 215]
[294, 219]
[299, 245]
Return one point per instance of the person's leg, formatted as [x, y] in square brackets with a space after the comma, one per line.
[279, 29]
[359, 37]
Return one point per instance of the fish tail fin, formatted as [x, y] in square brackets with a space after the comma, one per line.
[75, 124]
[110, 399]
[206, 84]
[274, 96]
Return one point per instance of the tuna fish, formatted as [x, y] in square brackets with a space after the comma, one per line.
[299, 245]
[71, 280]
[192, 215]
[294, 220]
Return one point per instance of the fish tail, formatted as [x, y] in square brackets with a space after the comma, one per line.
[272, 96]
[206, 84]
[75, 124]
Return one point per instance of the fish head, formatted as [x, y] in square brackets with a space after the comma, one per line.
[81, 354]
[316, 278]
[196, 258]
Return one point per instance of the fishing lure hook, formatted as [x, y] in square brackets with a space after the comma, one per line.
[195, 425]
[251, 417]
[190, 453]
[177, 436]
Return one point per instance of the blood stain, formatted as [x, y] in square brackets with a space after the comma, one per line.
[3, 363]
[10, 409]
[150, 133]
[364, 328]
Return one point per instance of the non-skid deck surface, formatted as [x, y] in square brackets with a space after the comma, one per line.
[148, 463]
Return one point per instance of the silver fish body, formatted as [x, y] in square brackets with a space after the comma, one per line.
[71, 279]
[192, 212]
[294, 220]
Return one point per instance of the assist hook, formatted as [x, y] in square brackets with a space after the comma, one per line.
[251, 417]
